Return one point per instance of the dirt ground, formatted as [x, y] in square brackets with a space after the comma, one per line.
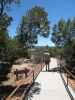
[11, 76]
[72, 83]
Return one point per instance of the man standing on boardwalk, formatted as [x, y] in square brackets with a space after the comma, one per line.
[47, 60]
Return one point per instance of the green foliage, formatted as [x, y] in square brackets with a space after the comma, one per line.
[8, 46]
[5, 20]
[64, 36]
[58, 33]
[4, 36]
[17, 50]
[69, 53]
[4, 4]
[62, 32]
[33, 23]
[55, 52]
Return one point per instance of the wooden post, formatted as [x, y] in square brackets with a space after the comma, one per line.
[16, 74]
[41, 67]
[33, 76]
[67, 79]
[60, 68]
[60, 65]
[46, 67]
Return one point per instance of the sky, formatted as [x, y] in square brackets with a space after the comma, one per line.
[56, 9]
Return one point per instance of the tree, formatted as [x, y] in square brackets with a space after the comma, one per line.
[4, 4]
[69, 47]
[4, 36]
[64, 36]
[58, 35]
[55, 51]
[63, 32]
[5, 21]
[34, 23]
[7, 45]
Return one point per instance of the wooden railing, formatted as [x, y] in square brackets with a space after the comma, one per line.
[66, 71]
[28, 81]
[68, 74]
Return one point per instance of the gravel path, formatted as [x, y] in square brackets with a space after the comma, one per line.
[50, 86]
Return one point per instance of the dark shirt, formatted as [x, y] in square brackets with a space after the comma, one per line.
[47, 59]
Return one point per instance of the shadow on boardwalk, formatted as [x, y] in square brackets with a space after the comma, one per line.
[67, 89]
[56, 69]
[35, 89]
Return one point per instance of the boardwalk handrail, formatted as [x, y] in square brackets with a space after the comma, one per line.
[65, 68]
[69, 72]
[30, 79]
[18, 86]
[66, 80]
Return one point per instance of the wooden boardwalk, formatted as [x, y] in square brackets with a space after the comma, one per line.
[48, 86]
[51, 86]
